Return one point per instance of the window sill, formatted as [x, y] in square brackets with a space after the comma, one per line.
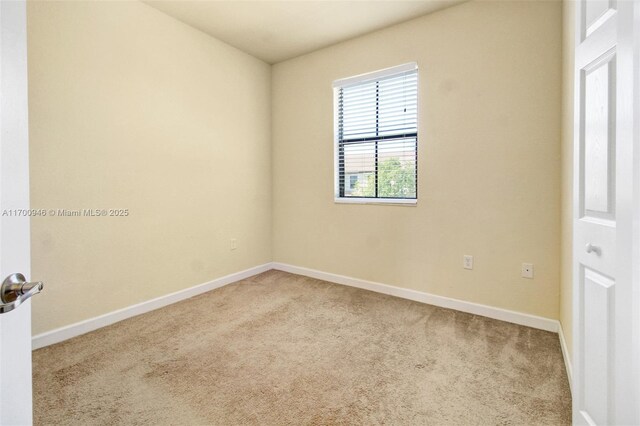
[386, 201]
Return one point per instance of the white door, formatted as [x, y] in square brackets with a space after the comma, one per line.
[606, 196]
[15, 326]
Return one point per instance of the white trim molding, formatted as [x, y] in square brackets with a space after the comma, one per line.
[431, 299]
[566, 356]
[91, 324]
[393, 201]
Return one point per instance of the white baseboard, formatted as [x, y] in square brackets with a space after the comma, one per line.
[82, 327]
[528, 320]
[431, 299]
[73, 330]
[565, 355]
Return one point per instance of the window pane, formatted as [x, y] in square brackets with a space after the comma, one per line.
[359, 167]
[397, 168]
[359, 111]
[397, 105]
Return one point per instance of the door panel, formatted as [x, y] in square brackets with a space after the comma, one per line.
[598, 308]
[599, 138]
[596, 12]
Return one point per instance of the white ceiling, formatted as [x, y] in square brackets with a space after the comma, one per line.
[277, 30]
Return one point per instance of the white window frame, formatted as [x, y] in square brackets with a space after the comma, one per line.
[337, 84]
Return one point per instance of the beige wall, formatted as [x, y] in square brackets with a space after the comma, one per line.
[489, 158]
[566, 284]
[131, 109]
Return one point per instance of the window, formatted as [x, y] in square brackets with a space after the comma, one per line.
[377, 136]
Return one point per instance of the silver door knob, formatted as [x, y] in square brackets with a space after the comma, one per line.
[15, 289]
[590, 248]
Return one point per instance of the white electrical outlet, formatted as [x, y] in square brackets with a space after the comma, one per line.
[527, 270]
[233, 244]
[467, 262]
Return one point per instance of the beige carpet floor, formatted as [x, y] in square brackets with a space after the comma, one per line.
[285, 349]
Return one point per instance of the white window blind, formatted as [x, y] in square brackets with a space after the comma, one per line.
[377, 135]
